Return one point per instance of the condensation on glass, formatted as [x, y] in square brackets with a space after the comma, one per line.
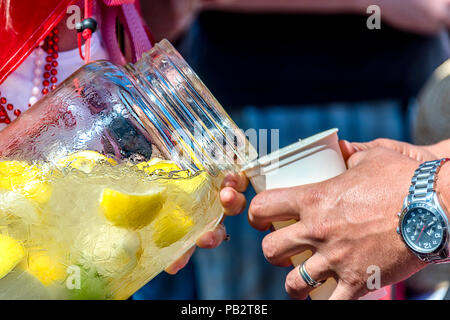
[156, 107]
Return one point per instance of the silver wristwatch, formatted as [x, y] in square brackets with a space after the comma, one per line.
[423, 224]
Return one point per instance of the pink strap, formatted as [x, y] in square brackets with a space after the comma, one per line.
[117, 2]
[128, 15]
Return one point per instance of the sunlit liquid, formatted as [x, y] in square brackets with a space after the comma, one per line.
[73, 251]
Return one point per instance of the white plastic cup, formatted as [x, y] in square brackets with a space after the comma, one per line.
[314, 159]
[311, 160]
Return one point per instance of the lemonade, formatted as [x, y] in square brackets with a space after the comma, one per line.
[88, 227]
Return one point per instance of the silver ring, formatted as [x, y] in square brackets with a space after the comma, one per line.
[307, 278]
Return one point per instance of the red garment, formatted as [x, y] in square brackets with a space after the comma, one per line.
[23, 27]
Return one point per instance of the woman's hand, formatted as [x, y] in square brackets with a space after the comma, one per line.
[233, 202]
[420, 16]
[169, 18]
[349, 222]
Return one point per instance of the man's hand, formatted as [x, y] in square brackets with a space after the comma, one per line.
[349, 222]
[419, 153]
[233, 202]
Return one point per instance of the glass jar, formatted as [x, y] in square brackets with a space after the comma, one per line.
[111, 177]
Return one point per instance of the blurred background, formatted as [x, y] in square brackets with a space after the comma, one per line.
[303, 66]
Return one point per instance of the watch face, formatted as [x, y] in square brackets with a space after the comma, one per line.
[423, 229]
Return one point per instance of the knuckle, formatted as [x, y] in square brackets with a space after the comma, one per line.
[269, 248]
[378, 150]
[318, 231]
[353, 278]
[295, 287]
[354, 281]
[335, 257]
[256, 207]
[354, 160]
[339, 255]
[291, 286]
[314, 196]
[382, 141]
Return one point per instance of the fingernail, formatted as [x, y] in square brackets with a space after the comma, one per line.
[354, 146]
[347, 144]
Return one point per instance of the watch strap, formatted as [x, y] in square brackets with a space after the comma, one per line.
[422, 189]
[423, 182]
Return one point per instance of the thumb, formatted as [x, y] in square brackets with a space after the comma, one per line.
[347, 149]
[381, 142]
[356, 158]
[363, 146]
[350, 148]
[353, 153]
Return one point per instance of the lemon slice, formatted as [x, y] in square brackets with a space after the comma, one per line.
[8, 168]
[32, 185]
[17, 283]
[84, 160]
[155, 165]
[11, 253]
[25, 179]
[131, 210]
[170, 228]
[45, 267]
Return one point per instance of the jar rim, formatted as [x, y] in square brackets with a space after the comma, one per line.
[177, 104]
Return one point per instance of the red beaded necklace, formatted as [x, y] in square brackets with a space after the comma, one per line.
[49, 46]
